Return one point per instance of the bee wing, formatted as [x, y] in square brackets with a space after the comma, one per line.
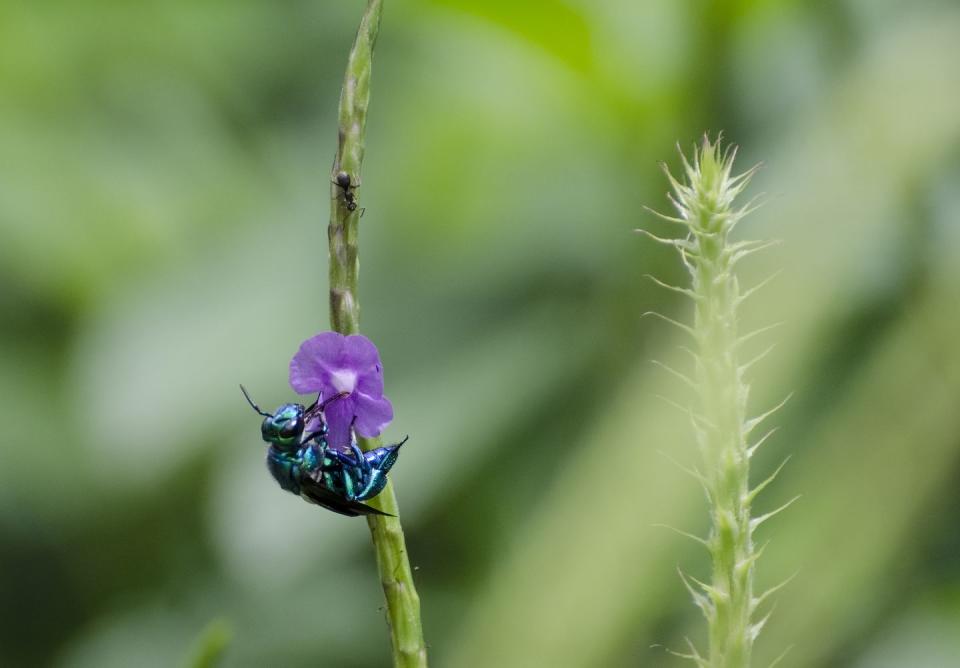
[312, 416]
[316, 493]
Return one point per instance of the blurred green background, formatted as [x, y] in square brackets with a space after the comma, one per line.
[163, 208]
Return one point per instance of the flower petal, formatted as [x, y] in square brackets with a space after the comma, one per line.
[329, 363]
[339, 415]
[370, 381]
[310, 367]
[344, 380]
[313, 424]
[359, 353]
[373, 414]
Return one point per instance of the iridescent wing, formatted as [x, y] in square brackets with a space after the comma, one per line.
[317, 493]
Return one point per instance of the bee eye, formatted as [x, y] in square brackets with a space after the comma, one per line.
[291, 428]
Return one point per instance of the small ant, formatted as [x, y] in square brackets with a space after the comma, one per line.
[346, 184]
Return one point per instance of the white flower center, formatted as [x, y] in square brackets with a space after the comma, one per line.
[344, 380]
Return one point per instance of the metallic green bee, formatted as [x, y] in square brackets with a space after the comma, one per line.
[304, 464]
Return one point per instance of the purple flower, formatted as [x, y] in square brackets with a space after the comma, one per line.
[331, 364]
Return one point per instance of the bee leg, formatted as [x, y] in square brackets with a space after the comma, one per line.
[329, 481]
[349, 486]
[373, 485]
[356, 471]
[317, 435]
[345, 459]
[362, 462]
[353, 471]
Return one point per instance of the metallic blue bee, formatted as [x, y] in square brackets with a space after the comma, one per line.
[305, 465]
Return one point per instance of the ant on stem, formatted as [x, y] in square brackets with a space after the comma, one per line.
[346, 184]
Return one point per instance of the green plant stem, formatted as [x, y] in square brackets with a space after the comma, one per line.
[723, 406]
[723, 399]
[396, 577]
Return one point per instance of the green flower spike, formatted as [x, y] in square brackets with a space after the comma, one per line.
[725, 434]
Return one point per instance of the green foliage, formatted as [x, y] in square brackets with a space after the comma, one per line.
[210, 645]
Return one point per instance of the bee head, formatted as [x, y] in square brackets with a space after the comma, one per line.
[282, 428]
[285, 427]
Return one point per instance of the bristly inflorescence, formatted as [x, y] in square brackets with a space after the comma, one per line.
[705, 204]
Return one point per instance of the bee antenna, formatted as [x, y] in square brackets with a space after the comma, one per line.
[250, 401]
